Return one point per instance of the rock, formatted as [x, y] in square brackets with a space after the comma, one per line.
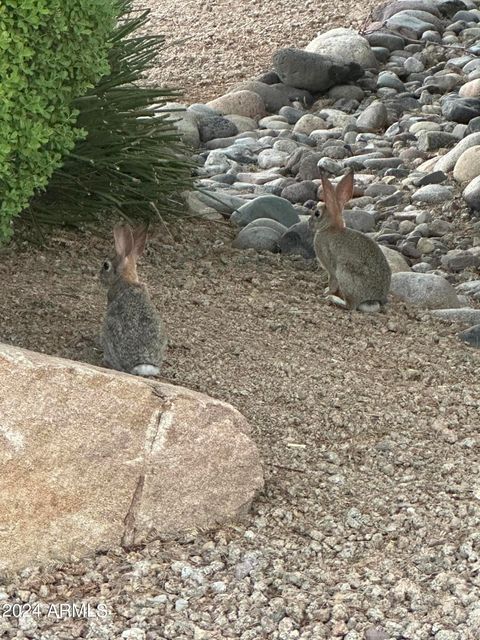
[381, 163]
[471, 336]
[312, 71]
[309, 123]
[424, 289]
[269, 158]
[216, 127]
[472, 127]
[442, 84]
[108, 459]
[448, 161]
[267, 222]
[259, 237]
[439, 227]
[431, 36]
[274, 123]
[434, 140]
[359, 220]
[432, 194]
[219, 162]
[242, 123]
[259, 177]
[413, 65]
[388, 9]
[220, 201]
[470, 288]
[295, 94]
[467, 166]
[270, 77]
[267, 206]
[470, 89]
[347, 91]
[373, 118]
[337, 118]
[308, 169]
[240, 103]
[434, 177]
[463, 314]
[184, 122]
[397, 262]
[380, 189]
[291, 115]
[198, 208]
[298, 240]
[273, 99]
[300, 192]
[458, 260]
[344, 46]
[385, 39]
[461, 109]
[390, 80]
[412, 24]
[376, 633]
[471, 194]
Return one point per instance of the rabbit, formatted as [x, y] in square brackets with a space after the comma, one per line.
[133, 337]
[358, 272]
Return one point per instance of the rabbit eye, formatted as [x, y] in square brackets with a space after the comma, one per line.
[317, 214]
[107, 265]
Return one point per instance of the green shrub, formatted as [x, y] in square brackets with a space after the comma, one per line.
[51, 51]
[130, 164]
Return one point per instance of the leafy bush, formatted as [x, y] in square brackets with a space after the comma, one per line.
[51, 51]
[132, 162]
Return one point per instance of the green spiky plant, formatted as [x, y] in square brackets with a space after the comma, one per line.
[131, 163]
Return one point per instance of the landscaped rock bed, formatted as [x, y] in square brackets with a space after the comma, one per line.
[368, 527]
[400, 105]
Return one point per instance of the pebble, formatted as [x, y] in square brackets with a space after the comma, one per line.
[373, 118]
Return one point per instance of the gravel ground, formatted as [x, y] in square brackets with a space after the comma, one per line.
[368, 427]
[210, 44]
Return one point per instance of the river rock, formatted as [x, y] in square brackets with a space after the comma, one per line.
[467, 166]
[312, 71]
[266, 206]
[241, 103]
[425, 289]
[298, 240]
[344, 46]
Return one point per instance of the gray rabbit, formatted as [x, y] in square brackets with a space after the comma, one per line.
[133, 337]
[358, 272]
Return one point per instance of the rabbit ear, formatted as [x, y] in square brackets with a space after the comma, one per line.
[328, 194]
[123, 240]
[139, 240]
[344, 191]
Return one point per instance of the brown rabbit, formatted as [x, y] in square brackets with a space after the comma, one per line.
[133, 337]
[358, 272]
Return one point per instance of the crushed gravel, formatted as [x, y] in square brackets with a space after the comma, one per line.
[369, 526]
[213, 46]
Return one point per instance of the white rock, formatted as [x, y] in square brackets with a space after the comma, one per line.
[447, 162]
[424, 289]
[344, 45]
